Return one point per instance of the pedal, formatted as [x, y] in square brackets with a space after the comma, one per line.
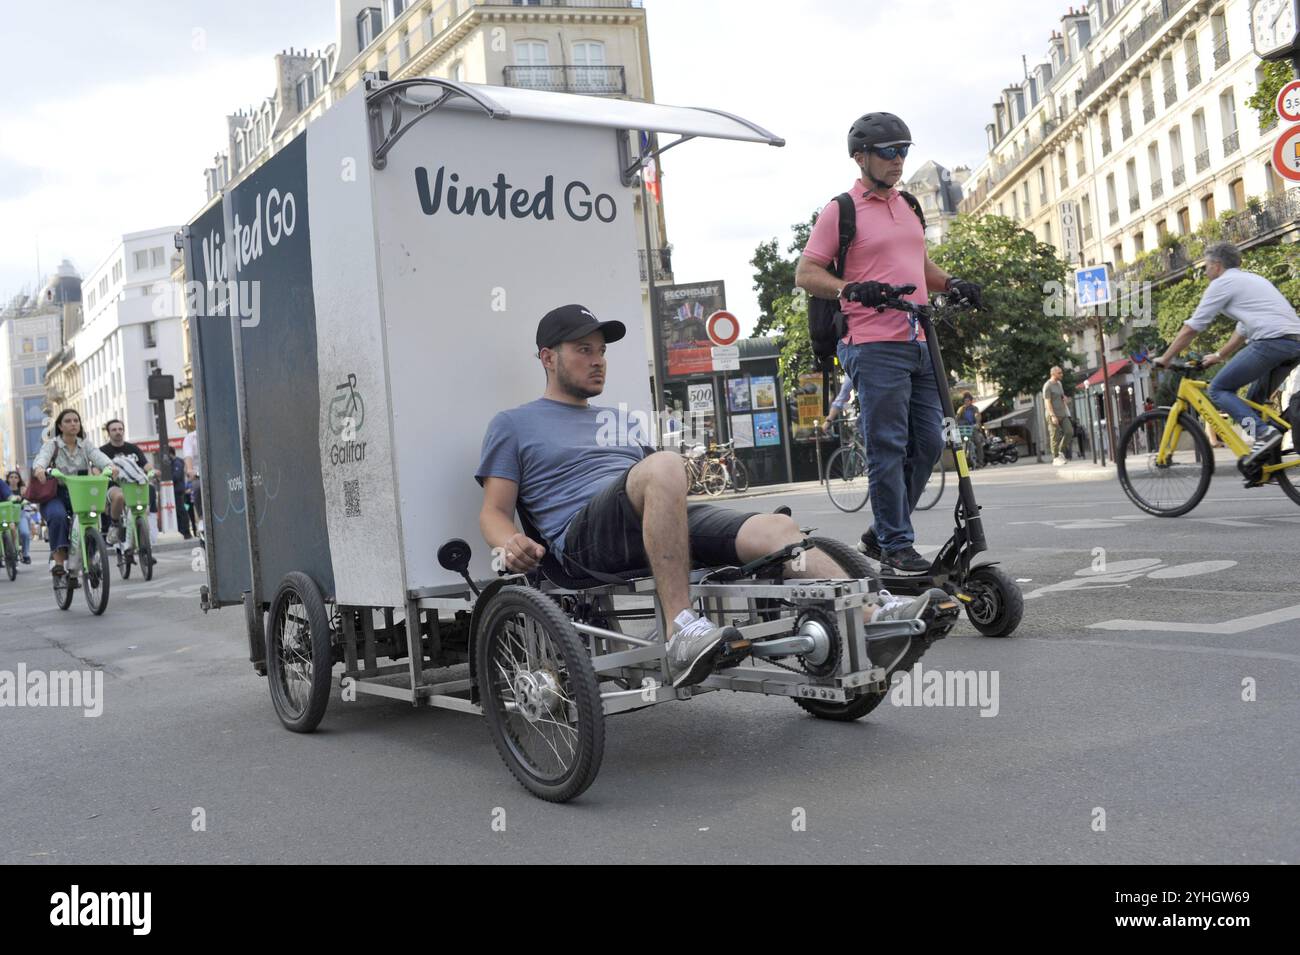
[735, 651]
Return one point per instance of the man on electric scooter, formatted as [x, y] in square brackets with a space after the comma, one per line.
[884, 352]
[616, 505]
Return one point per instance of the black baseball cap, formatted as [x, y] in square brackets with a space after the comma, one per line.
[570, 322]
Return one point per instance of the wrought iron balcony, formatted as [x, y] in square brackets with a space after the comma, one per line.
[663, 264]
[1221, 52]
[1065, 180]
[1203, 160]
[1080, 168]
[1114, 216]
[1270, 121]
[1157, 189]
[1193, 76]
[1133, 203]
[1105, 146]
[1125, 130]
[1231, 143]
[1171, 93]
[1148, 110]
[1178, 176]
[590, 80]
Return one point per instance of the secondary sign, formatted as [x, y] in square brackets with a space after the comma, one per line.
[1092, 285]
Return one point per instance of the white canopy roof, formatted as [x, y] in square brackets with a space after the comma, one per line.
[516, 103]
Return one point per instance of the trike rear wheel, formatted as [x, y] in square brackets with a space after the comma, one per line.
[539, 694]
[298, 653]
[1175, 487]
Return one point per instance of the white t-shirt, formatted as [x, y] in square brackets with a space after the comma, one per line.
[190, 449]
[1259, 309]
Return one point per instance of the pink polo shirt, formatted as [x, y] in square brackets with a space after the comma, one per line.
[888, 246]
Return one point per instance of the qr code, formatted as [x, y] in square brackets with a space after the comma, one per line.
[352, 498]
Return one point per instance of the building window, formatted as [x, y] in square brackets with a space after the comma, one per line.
[370, 23]
[103, 286]
[156, 257]
[141, 260]
[1201, 141]
[1207, 207]
[1237, 195]
[1192, 57]
[1228, 116]
[1125, 117]
[1047, 232]
[1167, 78]
[1117, 254]
[1105, 132]
[150, 335]
[117, 271]
[1139, 243]
[394, 9]
[305, 91]
[1275, 184]
[1162, 230]
[29, 375]
[1086, 215]
[1131, 173]
[532, 57]
[1219, 33]
[589, 53]
[1025, 186]
[1153, 164]
[1112, 198]
[42, 343]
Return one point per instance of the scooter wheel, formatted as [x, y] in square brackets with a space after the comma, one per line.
[997, 604]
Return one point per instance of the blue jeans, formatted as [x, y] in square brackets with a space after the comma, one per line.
[25, 534]
[57, 514]
[1250, 366]
[902, 426]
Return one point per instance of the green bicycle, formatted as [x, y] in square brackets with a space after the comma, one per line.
[137, 548]
[11, 512]
[87, 552]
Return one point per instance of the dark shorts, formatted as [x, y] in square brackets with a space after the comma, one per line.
[605, 535]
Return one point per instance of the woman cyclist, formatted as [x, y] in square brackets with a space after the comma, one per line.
[14, 481]
[70, 452]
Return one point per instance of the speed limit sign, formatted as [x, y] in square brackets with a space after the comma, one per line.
[1288, 102]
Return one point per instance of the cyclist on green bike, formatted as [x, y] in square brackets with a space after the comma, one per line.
[1266, 324]
[118, 450]
[72, 453]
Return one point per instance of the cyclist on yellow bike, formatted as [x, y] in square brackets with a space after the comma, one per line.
[1266, 324]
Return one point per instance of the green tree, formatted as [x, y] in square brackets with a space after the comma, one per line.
[1020, 333]
[797, 358]
[774, 274]
[1277, 74]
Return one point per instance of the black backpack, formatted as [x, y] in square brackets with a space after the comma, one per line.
[825, 320]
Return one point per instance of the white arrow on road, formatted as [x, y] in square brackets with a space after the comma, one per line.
[1240, 625]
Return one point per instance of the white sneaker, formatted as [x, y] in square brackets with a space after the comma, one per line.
[695, 647]
[1057, 462]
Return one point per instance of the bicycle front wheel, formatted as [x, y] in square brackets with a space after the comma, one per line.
[933, 489]
[739, 475]
[846, 479]
[715, 478]
[97, 574]
[1171, 488]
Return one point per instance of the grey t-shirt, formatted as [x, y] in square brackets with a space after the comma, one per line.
[1054, 395]
[561, 456]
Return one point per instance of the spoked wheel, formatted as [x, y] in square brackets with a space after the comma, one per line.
[64, 585]
[298, 660]
[11, 555]
[846, 479]
[855, 565]
[98, 573]
[539, 694]
[715, 478]
[144, 549]
[997, 605]
[739, 475]
[1172, 488]
[124, 561]
[933, 489]
[1288, 478]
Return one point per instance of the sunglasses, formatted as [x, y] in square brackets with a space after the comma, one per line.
[891, 152]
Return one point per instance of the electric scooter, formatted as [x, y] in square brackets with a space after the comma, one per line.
[993, 601]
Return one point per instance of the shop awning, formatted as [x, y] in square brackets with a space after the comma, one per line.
[1114, 369]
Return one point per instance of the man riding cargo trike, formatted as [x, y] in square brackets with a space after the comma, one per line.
[611, 593]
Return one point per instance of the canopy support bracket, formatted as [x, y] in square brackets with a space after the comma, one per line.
[403, 111]
[628, 166]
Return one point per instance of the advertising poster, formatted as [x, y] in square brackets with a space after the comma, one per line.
[767, 431]
[701, 398]
[738, 395]
[680, 315]
[810, 401]
[742, 430]
[763, 392]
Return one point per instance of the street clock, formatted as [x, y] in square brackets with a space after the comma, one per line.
[1273, 28]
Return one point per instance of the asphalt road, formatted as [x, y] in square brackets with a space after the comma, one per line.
[1121, 694]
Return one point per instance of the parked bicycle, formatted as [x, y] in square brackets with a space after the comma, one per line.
[87, 566]
[723, 470]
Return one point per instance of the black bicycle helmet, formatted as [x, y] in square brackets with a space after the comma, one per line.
[877, 129]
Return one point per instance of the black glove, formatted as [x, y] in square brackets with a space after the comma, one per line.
[866, 293]
[966, 292]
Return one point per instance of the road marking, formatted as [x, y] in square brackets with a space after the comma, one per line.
[1224, 522]
[1175, 648]
[1191, 570]
[1228, 627]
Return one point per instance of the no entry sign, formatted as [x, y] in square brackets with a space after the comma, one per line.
[723, 327]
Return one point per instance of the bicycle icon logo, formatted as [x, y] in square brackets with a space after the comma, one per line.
[347, 410]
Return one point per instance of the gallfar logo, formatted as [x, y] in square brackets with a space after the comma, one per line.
[347, 410]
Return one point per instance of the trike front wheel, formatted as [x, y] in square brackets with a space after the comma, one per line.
[298, 653]
[539, 694]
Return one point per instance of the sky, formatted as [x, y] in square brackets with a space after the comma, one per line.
[112, 111]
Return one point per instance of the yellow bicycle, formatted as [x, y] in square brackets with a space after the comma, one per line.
[1165, 461]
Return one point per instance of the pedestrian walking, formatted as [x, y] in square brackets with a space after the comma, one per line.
[1058, 415]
